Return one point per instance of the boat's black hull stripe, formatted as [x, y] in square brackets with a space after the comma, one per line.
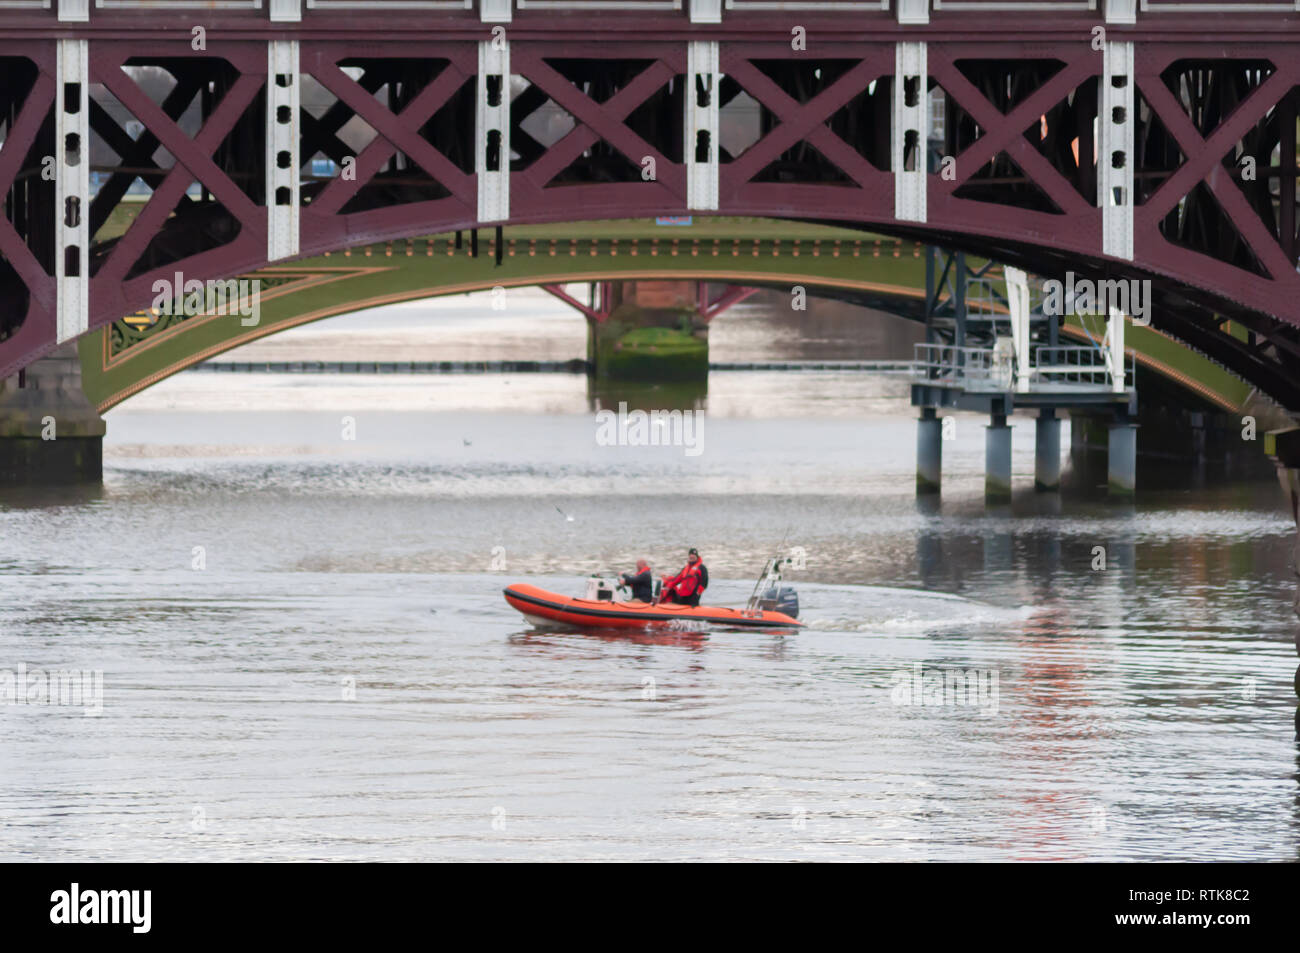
[615, 614]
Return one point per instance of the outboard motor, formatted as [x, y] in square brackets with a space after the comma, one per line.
[600, 590]
[780, 599]
[769, 595]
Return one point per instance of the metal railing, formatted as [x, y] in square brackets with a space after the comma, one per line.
[1075, 364]
[983, 299]
[952, 366]
[1063, 367]
[912, 12]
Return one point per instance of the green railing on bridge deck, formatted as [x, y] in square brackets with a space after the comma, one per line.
[121, 360]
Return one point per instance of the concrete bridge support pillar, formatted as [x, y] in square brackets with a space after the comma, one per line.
[652, 331]
[929, 452]
[1121, 458]
[997, 460]
[1047, 452]
[1283, 446]
[49, 430]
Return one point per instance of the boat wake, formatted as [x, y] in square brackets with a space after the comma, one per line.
[688, 625]
[880, 609]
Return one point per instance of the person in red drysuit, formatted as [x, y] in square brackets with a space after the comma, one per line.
[685, 587]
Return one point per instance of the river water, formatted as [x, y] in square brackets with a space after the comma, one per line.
[291, 585]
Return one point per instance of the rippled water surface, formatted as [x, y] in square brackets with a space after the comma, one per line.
[245, 571]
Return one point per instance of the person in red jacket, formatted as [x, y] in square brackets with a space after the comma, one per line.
[685, 587]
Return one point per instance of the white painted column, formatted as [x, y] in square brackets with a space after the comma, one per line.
[1018, 305]
[282, 161]
[495, 11]
[701, 140]
[1115, 150]
[72, 189]
[710, 11]
[74, 11]
[911, 123]
[286, 11]
[1115, 351]
[1121, 11]
[493, 129]
[913, 12]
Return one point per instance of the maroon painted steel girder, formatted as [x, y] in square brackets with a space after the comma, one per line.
[863, 196]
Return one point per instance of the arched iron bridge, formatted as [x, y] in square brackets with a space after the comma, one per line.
[1154, 141]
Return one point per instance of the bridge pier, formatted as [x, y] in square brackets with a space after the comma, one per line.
[1283, 447]
[649, 331]
[997, 459]
[50, 433]
[929, 452]
[1047, 451]
[1098, 440]
[1121, 458]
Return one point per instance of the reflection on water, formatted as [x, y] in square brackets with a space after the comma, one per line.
[638, 395]
[303, 638]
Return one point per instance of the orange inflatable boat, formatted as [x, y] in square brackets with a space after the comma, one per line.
[539, 605]
[771, 607]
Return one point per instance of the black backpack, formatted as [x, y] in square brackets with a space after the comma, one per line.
[704, 576]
